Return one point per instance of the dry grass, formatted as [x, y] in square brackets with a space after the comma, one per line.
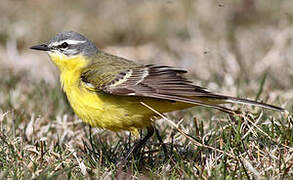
[240, 48]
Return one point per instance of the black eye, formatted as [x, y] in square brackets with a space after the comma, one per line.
[64, 45]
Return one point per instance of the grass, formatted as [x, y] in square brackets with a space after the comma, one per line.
[239, 48]
[47, 142]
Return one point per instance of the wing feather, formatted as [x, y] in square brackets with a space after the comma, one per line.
[161, 82]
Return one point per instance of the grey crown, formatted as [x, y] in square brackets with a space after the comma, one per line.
[87, 48]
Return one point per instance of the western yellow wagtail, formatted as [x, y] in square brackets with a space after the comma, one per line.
[111, 92]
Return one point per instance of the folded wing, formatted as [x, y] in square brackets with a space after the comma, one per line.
[162, 82]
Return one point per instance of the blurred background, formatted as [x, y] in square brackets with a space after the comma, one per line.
[234, 47]
[225, 44]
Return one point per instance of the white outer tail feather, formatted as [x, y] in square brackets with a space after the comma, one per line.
[253, 103]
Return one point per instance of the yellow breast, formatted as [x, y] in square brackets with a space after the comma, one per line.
[100, 109]
[95, 107]
[105, 110]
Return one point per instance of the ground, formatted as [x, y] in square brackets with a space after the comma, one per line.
[239, 48]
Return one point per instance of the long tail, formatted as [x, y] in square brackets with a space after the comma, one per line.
[229, 99]
[214, 101]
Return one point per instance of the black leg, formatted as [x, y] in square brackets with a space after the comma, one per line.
[161, 141]
[90, 134]
[136, 149]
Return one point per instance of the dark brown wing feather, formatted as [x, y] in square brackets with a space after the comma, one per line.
[165, 82]
[141, 81]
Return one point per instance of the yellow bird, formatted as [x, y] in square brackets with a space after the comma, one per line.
[111, 92]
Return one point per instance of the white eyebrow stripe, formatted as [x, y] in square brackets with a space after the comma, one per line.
[69, 41]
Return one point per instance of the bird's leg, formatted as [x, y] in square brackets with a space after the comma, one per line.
[140, 144]
[136, 148]
[90, 134]
[162, 143]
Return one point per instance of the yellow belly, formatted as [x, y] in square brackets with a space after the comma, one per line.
[104, 111]
[115, 112]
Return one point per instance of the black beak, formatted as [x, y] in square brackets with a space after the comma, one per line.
[41, 47]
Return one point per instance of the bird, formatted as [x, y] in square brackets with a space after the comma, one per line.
[114, 93]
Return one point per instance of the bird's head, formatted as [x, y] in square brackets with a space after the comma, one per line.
[68, 49]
